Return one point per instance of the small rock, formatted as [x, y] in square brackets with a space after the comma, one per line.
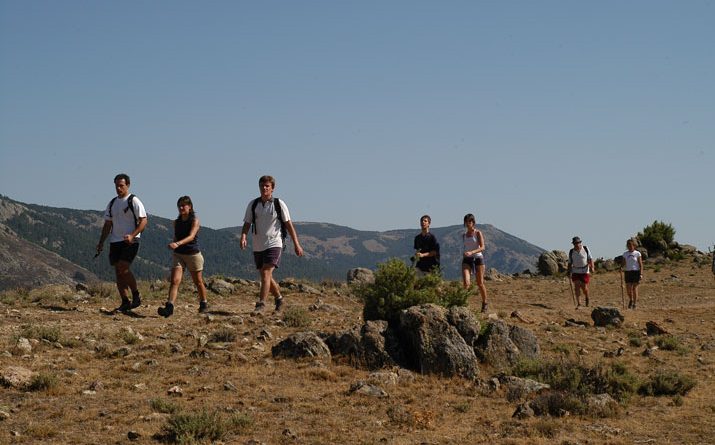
[367, 390]
[228, 386]
[176, 348]
[140, 387]
[175, 391]
[4, 415]
[88, 392]
[23, 346]
[133, 435]
[653, 328]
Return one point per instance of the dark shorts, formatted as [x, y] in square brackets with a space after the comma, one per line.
[122, 251]
[582, 277]
[632, 276]
[268, 257]
[473, 262]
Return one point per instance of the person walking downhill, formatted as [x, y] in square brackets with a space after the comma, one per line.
[187, 255]
[426, 248]
[580, 266]
[271, 223]
[473, 258]
[124, 220]
[633, 272]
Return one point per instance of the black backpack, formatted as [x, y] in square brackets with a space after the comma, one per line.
[130, 206]
[277, 207]
[572, 249]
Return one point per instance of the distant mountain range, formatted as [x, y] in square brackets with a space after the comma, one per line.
[40, 244]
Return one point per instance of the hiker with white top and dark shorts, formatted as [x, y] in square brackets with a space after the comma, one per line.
[271, 223]
[580, 266]
[473, 258]
[633, 273]
[124, 220]
[187, 255]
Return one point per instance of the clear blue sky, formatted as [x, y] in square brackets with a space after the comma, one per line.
[546, 119]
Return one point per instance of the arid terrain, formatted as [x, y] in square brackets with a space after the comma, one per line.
[113, 378]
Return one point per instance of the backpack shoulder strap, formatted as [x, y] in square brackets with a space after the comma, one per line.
[586, 249]
[130, 206]
[111, 203]
[253, 213]
[279, 211]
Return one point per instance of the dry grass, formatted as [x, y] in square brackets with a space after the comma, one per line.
[223, 365]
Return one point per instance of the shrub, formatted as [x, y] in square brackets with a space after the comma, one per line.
[667, 383]
[42, 382]
[51, 334]
[296, 317]
[657, 236]
[669, 343]
[163, 406]
[397, 287]
[202, 426]
[224, 335]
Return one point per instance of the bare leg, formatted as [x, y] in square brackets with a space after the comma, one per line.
[176, 275]
[198, 278]
[480, 283]
[267, 282]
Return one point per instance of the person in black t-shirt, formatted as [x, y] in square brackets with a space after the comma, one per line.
[426, 247]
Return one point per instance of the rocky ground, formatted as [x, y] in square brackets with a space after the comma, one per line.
[93, 376]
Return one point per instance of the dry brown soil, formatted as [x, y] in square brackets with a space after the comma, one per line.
[101, 395]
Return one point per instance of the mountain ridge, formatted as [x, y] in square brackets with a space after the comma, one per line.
[330, 250]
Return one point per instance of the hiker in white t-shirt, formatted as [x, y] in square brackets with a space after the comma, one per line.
[124, 220]
[580, 266]
[473, 258]
[271, 222]
[633, 272]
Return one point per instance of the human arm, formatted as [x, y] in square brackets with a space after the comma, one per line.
[480, 245]
[640, 264]
[106, 230]
[294, 236]
[129, 239]
[244, 234]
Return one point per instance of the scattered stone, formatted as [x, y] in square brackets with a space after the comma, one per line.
[302, 344]
[520, 388]
[200, 353]
[367, 389]
[175, 391]
[88, 392]
[140, 387]
[653, 328]
[360, 275]
[23, 346]
[4, 415]
[523, 411]
[176, 348]
[96, 386]
[502, 345]
[576, 323]
[133, 435]
[650, 352]
[16, 377]
[228, 386]
[617, 353]
[607, 316]
[520, 317]
[221, 287]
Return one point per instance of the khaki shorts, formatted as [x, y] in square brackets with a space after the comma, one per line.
[194, 262]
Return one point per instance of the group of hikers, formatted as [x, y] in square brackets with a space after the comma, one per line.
[125, 218]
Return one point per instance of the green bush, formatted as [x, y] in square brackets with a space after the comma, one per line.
[296, 317]
[397, 287]
[667, 383]
[203, 426]
[657, 236]
[43, 382]
[163, 406]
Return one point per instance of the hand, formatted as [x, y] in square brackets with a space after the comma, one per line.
[243, 242]
[173, 245]
[100, 247]
[129, 239]
[298, 250]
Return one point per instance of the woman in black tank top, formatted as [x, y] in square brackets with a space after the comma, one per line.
[186, 255]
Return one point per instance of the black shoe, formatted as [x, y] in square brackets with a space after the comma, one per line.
[136, 300]
[279, 303]
[125, 306]
[166, 311]
[203, 307]
[586, 301]
[485, 307]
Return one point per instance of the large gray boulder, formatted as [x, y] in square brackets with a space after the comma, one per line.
[434, 344]
[466, 322]
[502, 346]
[300, 345]
[552, 263]
[372, 346]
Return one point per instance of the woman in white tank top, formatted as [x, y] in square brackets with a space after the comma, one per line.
[473, 259]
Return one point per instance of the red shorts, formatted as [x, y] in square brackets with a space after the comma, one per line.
[583, 277]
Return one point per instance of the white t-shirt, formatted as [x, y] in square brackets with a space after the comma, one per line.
[579, 260]
[632, 260]
[472, 243]
[268, 228]
[122, 217]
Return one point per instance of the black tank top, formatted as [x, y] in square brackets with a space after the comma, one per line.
[182, 229]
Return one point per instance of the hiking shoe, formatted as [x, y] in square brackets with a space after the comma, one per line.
[136, 300]
[166, 311]
[203, 307]
[279, 303]
[259, 307]
[586, 301]
[125, 306]
[485, 307]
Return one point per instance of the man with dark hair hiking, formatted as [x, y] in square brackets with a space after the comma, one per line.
[124, 220]
[580, 266]
[426, 248]
[271, 222]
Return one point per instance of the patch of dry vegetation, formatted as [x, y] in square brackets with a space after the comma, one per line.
[209, 378]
